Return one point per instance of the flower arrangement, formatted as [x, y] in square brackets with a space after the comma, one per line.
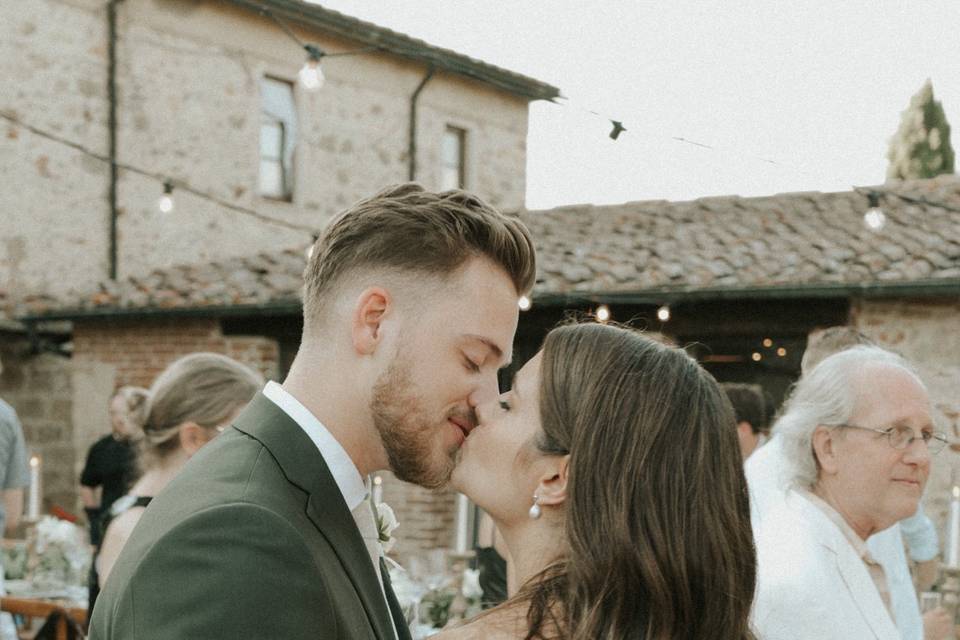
[430, 606]
[57, 554]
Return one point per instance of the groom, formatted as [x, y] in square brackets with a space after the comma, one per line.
[409, 310]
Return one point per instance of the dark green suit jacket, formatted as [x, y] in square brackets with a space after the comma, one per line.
[252, 540]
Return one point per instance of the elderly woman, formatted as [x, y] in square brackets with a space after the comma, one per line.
[858, 437]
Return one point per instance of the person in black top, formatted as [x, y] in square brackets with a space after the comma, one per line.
[110, 467]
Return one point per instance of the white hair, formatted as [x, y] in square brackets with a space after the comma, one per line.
[827, 396]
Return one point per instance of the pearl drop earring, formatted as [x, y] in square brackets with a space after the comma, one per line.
[535, 511]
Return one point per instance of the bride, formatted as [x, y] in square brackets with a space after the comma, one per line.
[613, 472]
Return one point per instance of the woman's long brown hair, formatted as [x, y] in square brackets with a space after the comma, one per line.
[657, 513]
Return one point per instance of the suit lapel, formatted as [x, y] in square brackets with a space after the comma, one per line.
[399, 621]
[864, 593]
[304, 467]
[855, 575]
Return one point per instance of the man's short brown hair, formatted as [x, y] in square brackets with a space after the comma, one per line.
[825, 342]
[406, 228]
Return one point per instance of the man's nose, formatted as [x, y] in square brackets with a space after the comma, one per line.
[487, 391]
[918, 452]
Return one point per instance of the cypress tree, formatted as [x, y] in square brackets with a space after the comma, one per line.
[921, 147]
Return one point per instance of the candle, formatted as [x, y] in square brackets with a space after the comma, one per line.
[377, 490]
[463, 514]
[33, 501]
[953, 537]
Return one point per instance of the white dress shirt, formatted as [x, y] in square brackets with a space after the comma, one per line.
[344, 472]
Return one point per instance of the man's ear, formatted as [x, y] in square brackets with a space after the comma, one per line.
[192, 437]
[369, 311]
[552, 490]
[824, 444]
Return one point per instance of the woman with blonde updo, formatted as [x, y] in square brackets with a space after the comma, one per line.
[189, 404]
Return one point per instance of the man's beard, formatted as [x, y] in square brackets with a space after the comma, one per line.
[406, 430]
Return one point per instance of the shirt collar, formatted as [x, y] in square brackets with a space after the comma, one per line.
[344, 472]
[858, 543]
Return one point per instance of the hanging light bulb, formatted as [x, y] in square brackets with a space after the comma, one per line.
[165, 203]
[311, 76]
[524, 303]
[603, 313]
[874, 218]
[663, 313]
[756, 356]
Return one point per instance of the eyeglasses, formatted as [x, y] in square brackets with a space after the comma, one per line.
[901, 437]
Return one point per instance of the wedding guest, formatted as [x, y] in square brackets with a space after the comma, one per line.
[491, 563]
[14, 472]
[190, 403]
[767, 479]
[857, 437]
[110, 466]
[612, 470]
[750, 413]
[14, 476]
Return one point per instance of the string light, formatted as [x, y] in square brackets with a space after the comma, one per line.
[603, 313]
[165, 203]
[183, 186]
[874, 218]
[767, 342]
[756, 356]
[781, 352]
[311, 75]
[524, 303]
[663, 313]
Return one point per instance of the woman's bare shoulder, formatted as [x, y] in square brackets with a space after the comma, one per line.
[497, 625]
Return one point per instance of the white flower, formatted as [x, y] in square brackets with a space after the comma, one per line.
[471, 584]
[386, 523]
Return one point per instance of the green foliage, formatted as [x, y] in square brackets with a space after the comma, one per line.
[921, 147]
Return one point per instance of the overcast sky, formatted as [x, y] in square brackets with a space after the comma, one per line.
[791, 96]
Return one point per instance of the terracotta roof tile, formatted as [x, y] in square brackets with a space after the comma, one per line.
[792, 240]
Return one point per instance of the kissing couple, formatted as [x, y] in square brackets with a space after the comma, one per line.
[611, 468]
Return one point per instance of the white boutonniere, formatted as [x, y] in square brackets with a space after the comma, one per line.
[386, 523]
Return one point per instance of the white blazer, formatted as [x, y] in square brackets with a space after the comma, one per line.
[811, 584]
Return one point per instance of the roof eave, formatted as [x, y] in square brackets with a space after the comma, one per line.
[669, 295]
[274, 307]
[654, 296]
[351, 28]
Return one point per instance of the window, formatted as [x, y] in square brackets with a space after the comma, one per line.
[278, 138]
[453, 172]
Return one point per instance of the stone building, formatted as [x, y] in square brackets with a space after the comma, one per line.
[740, 281]
[203, 95]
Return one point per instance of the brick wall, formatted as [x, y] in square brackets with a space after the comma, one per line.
[39, 387]
[926, 332]
[135, 351]
[110, 353]
[427, 518]
[63, 406]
